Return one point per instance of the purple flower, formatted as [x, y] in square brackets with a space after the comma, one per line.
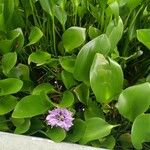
[60, 117]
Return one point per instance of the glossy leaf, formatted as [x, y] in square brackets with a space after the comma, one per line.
[106, 78]
[114, 32]
[7, 104]
[140, 132]
[143, 35]
[73, 38]
[8, 62]
[35, 35]
[39, 57]
[101, 44]
[44, 87]
[56, 134]
[67, 63]
[96, 128]
[10, 86]
[60, 14]
[134, 100]
[30, 106]
[93, 32]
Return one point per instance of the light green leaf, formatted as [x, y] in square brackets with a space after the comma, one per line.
[39, 57]
[106, 78]
[8, 62]
[140, 132]
[35, 35]
[7, 104]
[30, 106]
[114, 32]
[134, 100]
[44, 87]
[93, 32]
[101, 44]
[96, 128]
[10, 86]
[143, 35]
[56, 134]
[73, 38]
[67, 63]
[60, 14]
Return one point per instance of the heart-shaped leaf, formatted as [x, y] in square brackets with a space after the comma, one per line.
[73, 38]
[143, 35]
[56, 134]
[10, 86]
[30, 106]
[134, 100]
[35, 35]
[8, 62]
[106, 78]
[96, 128]
[101, 44]
[140, 132]
[39, 57]
[7, 104]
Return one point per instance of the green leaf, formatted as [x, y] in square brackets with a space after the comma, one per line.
[101, 44]
[24, 71]
[96, 128]
[140, 132]
[44, 87]
[47, 6]
[68, 79]
[3, 124]
[56, 134]
[109, 142]
[133, 4]
[24, 127]
[60, 14]
[143, 35]
[93, 110]
[67, 63]
[106, 78]
[17, 121]
[73, 38]
[10, 86]
[134, 100]
[82, 93]
[7, 104]
[93, 32]
[35, 35]
[30, 106]
[8, 62]
[39, 57]
[114, 32]
[115, 9]
[67, 100]
[78, 131]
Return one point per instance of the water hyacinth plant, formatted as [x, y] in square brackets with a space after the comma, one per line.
[76, 71]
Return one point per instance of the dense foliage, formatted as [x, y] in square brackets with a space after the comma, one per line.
[90, 57]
